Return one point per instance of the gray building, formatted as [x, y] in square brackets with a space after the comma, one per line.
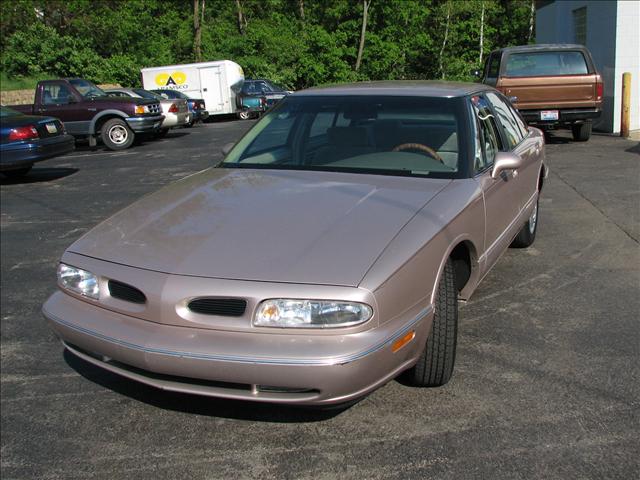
[610, 29]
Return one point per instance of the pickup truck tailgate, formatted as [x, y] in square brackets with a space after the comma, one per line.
[566, 91]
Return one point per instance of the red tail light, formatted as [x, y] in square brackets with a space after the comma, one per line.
[173, 108]
[23, 133]
[599, 90]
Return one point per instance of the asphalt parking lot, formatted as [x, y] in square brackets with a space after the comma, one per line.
[546, 385]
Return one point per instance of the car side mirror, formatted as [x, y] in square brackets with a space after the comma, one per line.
[505, 161]
[513, 100]
[227, 148]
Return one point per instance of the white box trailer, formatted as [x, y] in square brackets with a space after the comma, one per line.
[217, 83]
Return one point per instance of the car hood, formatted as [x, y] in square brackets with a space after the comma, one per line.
[263, 225]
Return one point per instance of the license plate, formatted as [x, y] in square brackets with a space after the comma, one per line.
[549, 115]
[51, 128]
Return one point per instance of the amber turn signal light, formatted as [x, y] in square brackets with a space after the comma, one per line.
[402, 341]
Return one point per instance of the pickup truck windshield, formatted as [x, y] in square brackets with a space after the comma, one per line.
[411, 136]
[535, 64]
[86, 88]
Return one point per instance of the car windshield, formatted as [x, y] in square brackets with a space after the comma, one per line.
[86, 88]
[8, 112]
[416, 136]
[546, 63]
[145, 93]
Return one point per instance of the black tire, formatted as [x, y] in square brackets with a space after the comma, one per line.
[116, 134]
[244, 114]
[435, 365]
[527, 234]
[18, 172]
[581, 131]
[162, 133]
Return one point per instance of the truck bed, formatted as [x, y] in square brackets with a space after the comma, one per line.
[26, 109]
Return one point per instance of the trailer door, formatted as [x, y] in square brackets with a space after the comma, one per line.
[211, 85]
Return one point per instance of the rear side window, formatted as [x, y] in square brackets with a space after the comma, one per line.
[535, 64]
[487, 139]
[507, 119]
[55, 94]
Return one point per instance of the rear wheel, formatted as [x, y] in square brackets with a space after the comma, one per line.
[244, 115]
[435, 365]
[527, 235]
[581, 131]
[116, 134]
[18, 172]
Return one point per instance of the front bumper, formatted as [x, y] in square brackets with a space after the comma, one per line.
[145, 124]
[226, 364]
[20, 154]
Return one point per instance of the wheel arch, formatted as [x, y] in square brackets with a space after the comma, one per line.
[102, 117]
[464, 255]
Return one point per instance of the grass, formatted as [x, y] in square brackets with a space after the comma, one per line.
[20, 83]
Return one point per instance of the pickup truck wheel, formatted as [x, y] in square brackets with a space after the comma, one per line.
[581, 131]
[116, 134]
[244, 115]
[18, 172]
[435, 365]
[527, 235]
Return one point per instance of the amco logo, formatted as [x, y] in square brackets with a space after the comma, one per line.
[174, 81]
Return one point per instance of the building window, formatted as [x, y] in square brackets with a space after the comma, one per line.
[580, 25]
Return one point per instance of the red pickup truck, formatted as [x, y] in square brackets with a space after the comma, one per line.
[87, 111]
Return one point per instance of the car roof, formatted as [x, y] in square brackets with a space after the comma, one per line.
[414, 88]
[542, 47]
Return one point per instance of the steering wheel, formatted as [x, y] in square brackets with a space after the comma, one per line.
[418, 146]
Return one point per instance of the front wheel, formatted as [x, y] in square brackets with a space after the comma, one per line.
[435, 365]
[527, 235]
[116, 134]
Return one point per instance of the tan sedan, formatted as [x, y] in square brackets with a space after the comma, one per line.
[323, 257]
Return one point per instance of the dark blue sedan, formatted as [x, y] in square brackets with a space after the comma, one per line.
[27, 139]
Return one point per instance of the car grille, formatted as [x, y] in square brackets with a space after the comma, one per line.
[225, 307]
[155, 108]
[126, 292]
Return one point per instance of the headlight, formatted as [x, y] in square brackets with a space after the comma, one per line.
[140, 109]
[283, 312]
[78, 281]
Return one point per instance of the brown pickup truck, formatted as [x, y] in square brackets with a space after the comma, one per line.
[551, 85]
